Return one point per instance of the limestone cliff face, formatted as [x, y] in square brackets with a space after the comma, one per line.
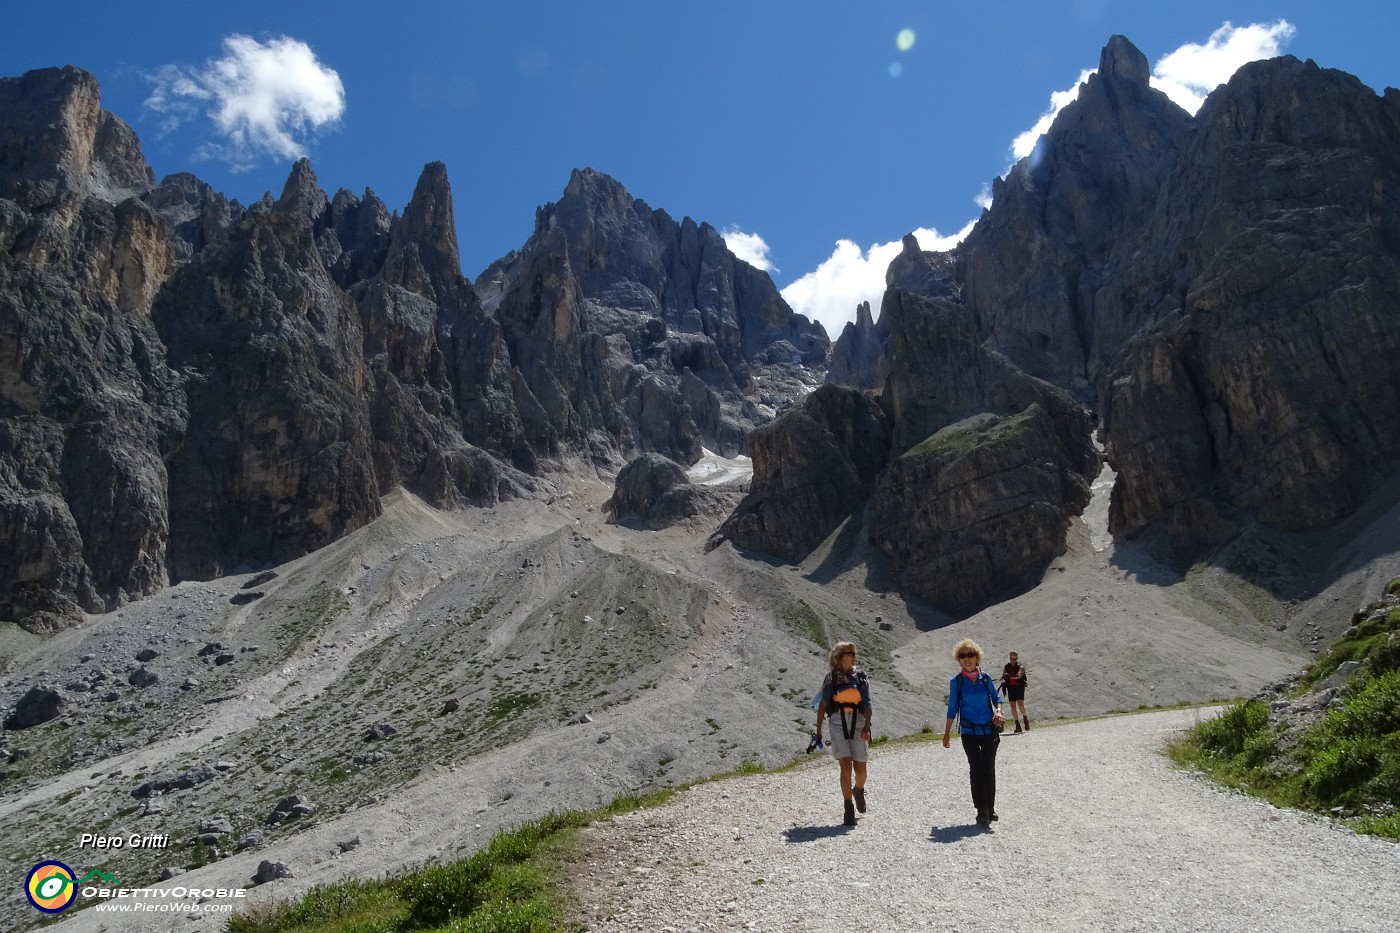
[974, 468]
[188, 385]
[1220, 288]
[812, 468]
[978, 510]
[88, 406]
[1270, 381]
[275, 458]
[1033, 266]
[634, 332]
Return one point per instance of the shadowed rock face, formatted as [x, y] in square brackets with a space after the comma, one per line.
[812, 467]
[1272, 380]
[935, 372]
[976, 469]
[979, 509]
[855, 356]
[1221, 288]
[275, 459]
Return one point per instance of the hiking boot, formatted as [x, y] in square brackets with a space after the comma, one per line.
[992, 816]
[983, 819]
[1028, 725]
[850, 819]
[1018, 729]
[860, 799]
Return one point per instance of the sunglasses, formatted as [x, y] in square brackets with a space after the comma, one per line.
[966, 654]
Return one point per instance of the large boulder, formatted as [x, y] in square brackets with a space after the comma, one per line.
[979, 509]
[36, 707]
[812, 467]
[655, 491]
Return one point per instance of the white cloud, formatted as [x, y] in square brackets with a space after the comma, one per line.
[1186, 75]
[1191, 72]
[263, 99]
[831, 292]
[749, 247]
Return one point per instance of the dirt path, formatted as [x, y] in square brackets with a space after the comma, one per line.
[1098, 831]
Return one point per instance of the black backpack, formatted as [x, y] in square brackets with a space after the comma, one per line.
[848, 693]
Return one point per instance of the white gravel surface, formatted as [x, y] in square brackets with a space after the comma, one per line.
[1098, 831]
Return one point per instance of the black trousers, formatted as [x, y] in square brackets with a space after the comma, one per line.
[982, 767]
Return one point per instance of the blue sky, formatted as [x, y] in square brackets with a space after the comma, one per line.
[815, 134]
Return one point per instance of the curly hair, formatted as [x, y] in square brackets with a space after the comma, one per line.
[967, 644]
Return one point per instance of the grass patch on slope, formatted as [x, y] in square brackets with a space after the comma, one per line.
[1346, 763]
[514, 885]
[511, 886]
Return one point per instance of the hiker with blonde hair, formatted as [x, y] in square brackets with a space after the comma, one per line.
[974, 702]
[845, 699]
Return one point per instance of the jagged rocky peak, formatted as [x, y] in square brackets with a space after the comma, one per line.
[923, 273]
[1121, 59]
[428, 228]
[361, 232]
[1032, 267]
[1297, 103]
[630, 325]
[302, 195]
[193, 211]
[855, 356]
[55, 136]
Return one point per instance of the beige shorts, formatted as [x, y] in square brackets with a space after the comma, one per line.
[857, 749]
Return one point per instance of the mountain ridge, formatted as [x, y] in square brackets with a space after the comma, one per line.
[286, 364]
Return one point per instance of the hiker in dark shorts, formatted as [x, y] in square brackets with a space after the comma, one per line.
[1013, 681]
[973, 700]
[845, 698]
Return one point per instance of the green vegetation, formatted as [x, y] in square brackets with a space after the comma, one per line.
[1347, 762]
[514, 884]
[804, 621]
[964, 435]
[511, 885]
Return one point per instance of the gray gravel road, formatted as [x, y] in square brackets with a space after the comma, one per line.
[1098, 831]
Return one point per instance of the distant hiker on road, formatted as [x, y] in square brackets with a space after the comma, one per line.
[845, 698]
[1013, 681]
[973, 700]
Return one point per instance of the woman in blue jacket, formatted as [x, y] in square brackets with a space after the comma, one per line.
[973, 700]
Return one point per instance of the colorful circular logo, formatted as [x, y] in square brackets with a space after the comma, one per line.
[50, 887]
